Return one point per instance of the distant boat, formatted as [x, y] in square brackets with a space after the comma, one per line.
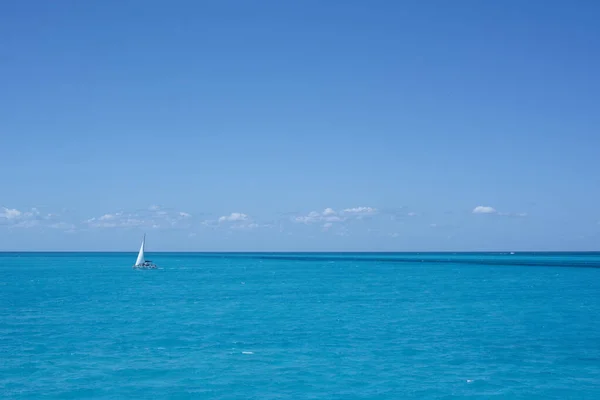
[142, 263]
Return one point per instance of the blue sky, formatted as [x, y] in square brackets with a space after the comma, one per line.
[305, 125]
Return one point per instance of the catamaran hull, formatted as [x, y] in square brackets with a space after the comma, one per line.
[145, 267]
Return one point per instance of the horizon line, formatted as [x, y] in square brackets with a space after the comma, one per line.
[304, 251]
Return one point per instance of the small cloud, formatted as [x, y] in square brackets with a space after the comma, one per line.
[63, 226]
[245, 226]
[328, 215]
[312, 216]
[327, 226]
[433, 225]
[10, 213]
[361, 211]
[28, 223]
[508, 214]
[394, 235]
[98, 223]
[153, 217]
[233, 217]
[235, 221]
[210, 223]
[412, 214]
[492, 210]
[484, 210]
[15, 218]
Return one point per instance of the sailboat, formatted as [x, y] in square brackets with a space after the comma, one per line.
[141, 262]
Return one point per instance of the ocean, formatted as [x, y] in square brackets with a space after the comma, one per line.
[300, 326]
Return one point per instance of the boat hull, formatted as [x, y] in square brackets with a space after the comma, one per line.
[150, 266]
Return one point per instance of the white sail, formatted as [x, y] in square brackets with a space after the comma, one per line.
[140, 259]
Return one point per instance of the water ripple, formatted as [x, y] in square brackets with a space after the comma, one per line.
[337, 326]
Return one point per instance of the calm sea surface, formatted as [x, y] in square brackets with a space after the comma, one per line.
[300, 326]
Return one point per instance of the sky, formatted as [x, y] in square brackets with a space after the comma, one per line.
[300, 125]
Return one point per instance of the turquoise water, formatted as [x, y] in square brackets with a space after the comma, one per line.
[300, 326]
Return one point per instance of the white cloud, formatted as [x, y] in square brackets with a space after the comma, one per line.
[492, 210]
[361, 211]
[26, 223]
[14, 214]
[327, 226]
[327, 215]
[412, 214]
[63, 226]
[331, 216]
[233, 217]
[109, 217]
[245, 226]
[10, 213]
[119, 221]
[97, 223]
[13, 217]
[484, 210]
[315, 216]
[235, 221]
[210, 223]
[505, 214]
[153, 217]
[302, 219]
